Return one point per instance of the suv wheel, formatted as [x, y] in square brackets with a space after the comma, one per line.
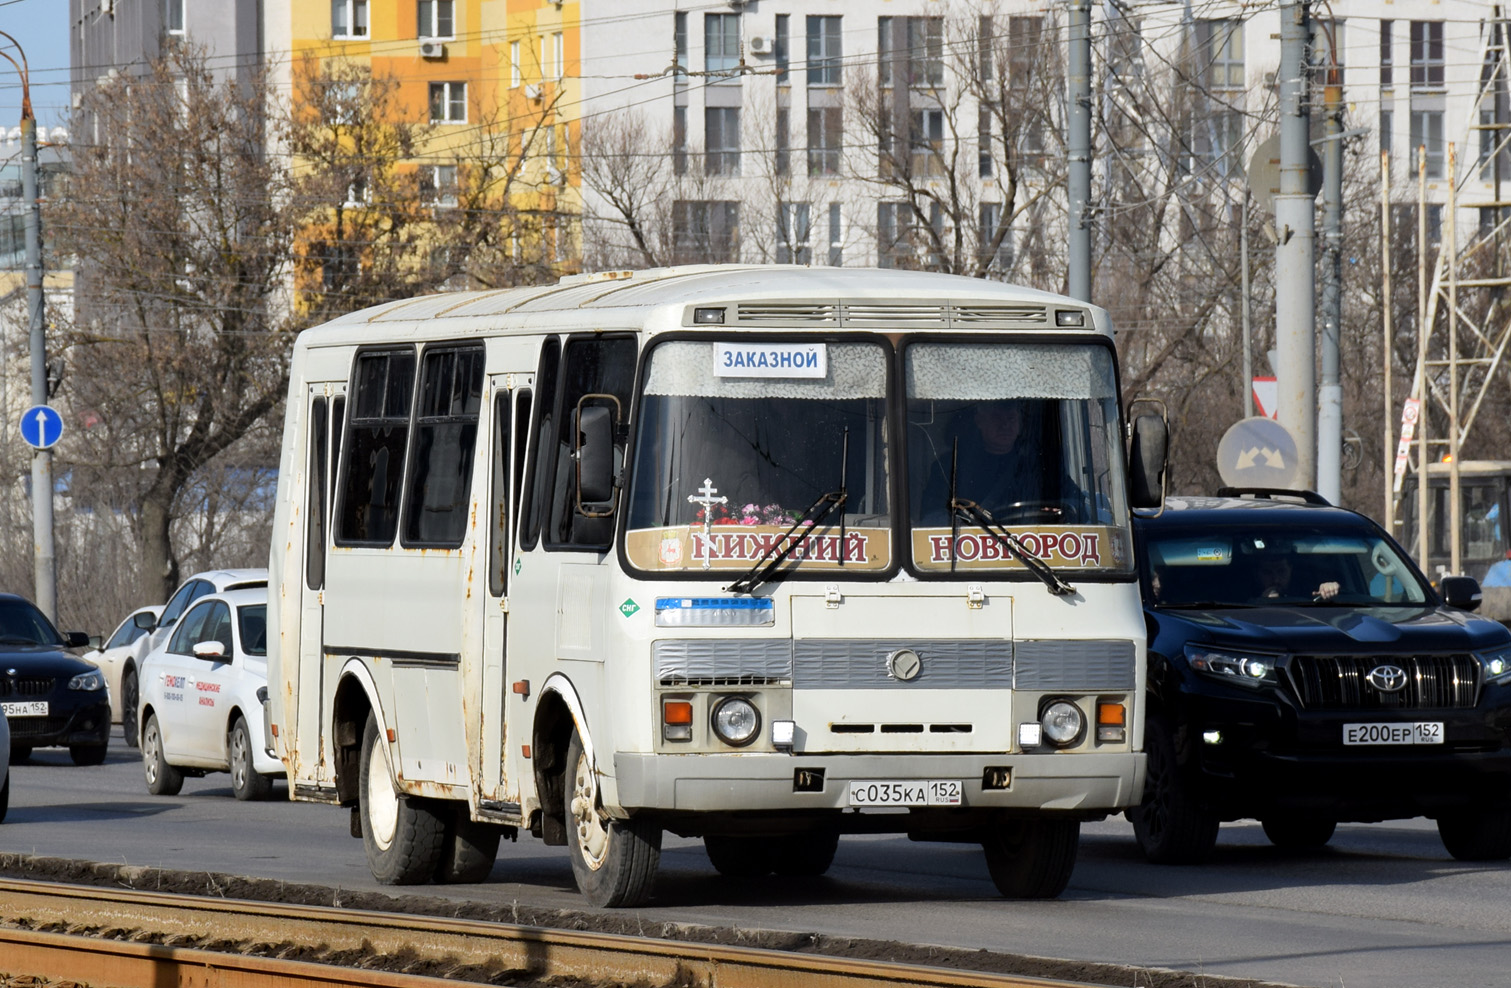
[1173, 825]
[1477, 835]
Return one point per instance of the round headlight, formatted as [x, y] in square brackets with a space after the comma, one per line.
[736, 721]
[90, 681]
[1062, 722]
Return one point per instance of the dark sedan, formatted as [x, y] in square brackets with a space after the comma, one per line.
[51, 697]
[1304, 673]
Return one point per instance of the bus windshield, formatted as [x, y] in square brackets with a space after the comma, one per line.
[737, 440]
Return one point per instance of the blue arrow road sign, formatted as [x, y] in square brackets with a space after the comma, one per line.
[41, 426]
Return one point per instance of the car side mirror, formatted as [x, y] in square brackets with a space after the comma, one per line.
[1462, 592]
[1147, 459]
[209, 650]
[595, 458]
[76, 639]
[145, 620]
[96, 642]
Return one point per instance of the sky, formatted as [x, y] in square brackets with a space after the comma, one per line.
[41, 26]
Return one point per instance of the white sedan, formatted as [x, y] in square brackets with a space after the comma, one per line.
[121, 645]
[202, 696]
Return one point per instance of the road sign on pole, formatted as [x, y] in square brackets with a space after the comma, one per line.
[41, 426]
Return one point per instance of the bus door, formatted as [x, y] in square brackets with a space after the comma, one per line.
[326, 404]
[509, 416]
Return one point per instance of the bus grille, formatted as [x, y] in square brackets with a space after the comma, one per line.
[31, 686]
[1339, 682]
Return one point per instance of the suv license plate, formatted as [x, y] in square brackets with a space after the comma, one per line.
[1420, 732]
[29, 708]
[934, 792]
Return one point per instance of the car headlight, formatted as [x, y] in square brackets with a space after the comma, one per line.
[1062, 722]
[90, 681]
[1231, 667]
[1497, 664]
[736, 721]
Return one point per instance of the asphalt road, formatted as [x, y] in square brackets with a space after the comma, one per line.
[1384, 906]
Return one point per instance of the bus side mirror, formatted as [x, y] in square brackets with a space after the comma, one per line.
[595, 461]
[1147, 456]
[1462, 592]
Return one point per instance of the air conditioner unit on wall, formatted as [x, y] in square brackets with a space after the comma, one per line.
[533, 90]
[555, 176]
[761, 44]
[432, 49]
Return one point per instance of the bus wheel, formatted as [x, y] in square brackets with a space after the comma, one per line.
[1032, 859]
[806, 855]
[613, 861]
[469, 850]
[401, 834]
[738, 857]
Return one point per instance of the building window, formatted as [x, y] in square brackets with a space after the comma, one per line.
[899, 243]
[679, 46]
[1427, 131]
[792, 234]
[836, 238]
[448, 102]
[558, 56]
[515, 77]
[721, 128]
[1218, 122]
[706, 232]
[1025, 38]
[1387, 57]
[926, 141]
[1387, 125]
[721, 44]
[825, 51]
[173, 16]
[986, 63]
[783, 142]
[911, 50]
[984, 141]
[438, 185]
[782, 49]
[679, 140]
[437, 19]
[348, 18]
[825, 140]
[1426, 54]
[1001, 258]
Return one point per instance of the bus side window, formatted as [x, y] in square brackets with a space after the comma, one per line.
[372, 464]
[498, 531]
[592, 366]
[439, 488]
[314, 533]
[542, 455]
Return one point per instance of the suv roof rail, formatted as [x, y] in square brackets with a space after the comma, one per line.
[1270, 493]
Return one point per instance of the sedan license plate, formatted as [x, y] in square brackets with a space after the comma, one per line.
[1418, 732]
[934, 792]
[29, 708]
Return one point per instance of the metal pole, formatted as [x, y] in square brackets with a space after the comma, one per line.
[1295, 320]
[44, 560]
[1248, 334]
[1330, 411]
[1078, 149]
[1422, 388]
[1386, 353]
[1450, 244]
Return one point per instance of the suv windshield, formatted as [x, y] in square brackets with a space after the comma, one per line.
[736, 440]
[1266, 566]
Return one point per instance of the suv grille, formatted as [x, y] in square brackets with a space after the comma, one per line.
[1337, 682]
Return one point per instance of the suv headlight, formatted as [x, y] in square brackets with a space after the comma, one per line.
[1497, 664]
[90, 681]
[1232, 667]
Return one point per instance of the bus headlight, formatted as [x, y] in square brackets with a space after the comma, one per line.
[1062, 722]
[736, 721]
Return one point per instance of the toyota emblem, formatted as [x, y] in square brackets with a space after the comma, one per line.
[1387, 679]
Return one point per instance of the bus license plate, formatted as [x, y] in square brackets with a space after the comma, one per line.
[30, 708]
[1419, 732]
[934, 792]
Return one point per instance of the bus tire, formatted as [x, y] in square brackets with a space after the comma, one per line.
[613, 861]
[468, 851]
[1173, 824]
[738, 857]
[806, 855]
[1032, 859]
[246, 782]
[162, 779]
[401, 834]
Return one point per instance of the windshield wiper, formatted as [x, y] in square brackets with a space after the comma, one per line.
[815, 514]
[971, 511]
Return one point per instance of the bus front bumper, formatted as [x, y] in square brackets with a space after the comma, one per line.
[1092, 784]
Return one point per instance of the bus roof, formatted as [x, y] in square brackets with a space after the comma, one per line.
[753, 296]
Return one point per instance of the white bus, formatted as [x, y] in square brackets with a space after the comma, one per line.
[761, 555]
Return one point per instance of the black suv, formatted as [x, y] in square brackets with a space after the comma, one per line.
[1303, 671]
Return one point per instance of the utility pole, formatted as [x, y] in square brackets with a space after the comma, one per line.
[44, 557]
[1078, 149]
[1295, 225]
[1330, 412]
